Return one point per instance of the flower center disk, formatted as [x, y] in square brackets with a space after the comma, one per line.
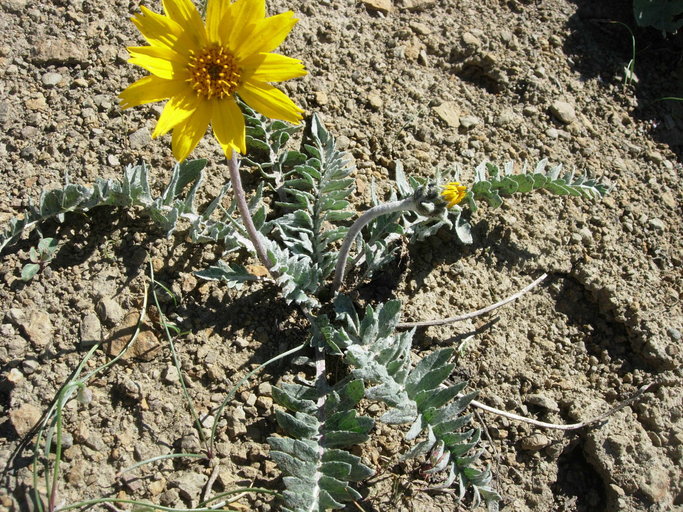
[213, 72]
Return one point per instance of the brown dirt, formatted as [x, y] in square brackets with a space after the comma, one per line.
[607, 320]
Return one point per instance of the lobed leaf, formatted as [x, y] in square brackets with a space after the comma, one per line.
[318, 472]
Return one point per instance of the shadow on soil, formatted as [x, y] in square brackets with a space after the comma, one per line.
[578, 486]
[600, 47]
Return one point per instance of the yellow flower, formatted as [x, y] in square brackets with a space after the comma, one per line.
[453, 193]
[202, 67]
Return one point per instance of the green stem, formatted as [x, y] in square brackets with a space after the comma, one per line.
[145, 504]
[58, 459]
[239, 491]
[162, 457]
[176, 363]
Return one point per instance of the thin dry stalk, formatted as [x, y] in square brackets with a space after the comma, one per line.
[557, 426]
[473, 314]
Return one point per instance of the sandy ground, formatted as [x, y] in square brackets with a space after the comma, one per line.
[435, 85]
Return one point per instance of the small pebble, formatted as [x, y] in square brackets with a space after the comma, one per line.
[29, 366]
[657, 224]
[24, 418]
[14, 377]
[321, 98]
[110, 312]
[563, 112]
[171, 375]
[449, 113]
[375, 101]
[543, 402]
[534, 442]
[91, 330]
[51, 79]
[140, 138]
[469, 122]
[265, 389]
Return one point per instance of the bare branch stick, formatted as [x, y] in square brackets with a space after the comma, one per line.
[210, 482]
[473, 314]
[556, 426]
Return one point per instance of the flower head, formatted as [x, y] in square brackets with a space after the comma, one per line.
[453, 193]
[200, 68]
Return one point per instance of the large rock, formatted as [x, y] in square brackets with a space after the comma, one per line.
[60, 52]
[34, 324]
[637, 476]
[24, 418]
[146, 346]
[378, 5]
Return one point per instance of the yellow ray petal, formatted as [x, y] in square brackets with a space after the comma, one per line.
[246, 12]
[160, 30]
[187, 134]
[186, 15]
[177, 109]
[264, 36]
[242, 17]
[271, 67]
[236, 20]
[159, 61]
[150, 89]
[270, 101]
[215, 27]
[228, 126]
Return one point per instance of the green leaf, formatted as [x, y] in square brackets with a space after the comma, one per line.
[301, 425]
[292, 465]
[235, 275]
[427, 398]
[47, 246]
[29, 271]
[318, 470]
[435, 360]
[463, 230]
[33, 255]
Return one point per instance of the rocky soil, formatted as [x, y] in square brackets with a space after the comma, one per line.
[433, 84]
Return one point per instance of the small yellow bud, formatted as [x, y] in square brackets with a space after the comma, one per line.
[453, 193]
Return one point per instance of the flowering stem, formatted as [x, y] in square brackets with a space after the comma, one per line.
[410, 203]
[243, 207]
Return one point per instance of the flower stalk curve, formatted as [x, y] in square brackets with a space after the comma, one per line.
[425, 201]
